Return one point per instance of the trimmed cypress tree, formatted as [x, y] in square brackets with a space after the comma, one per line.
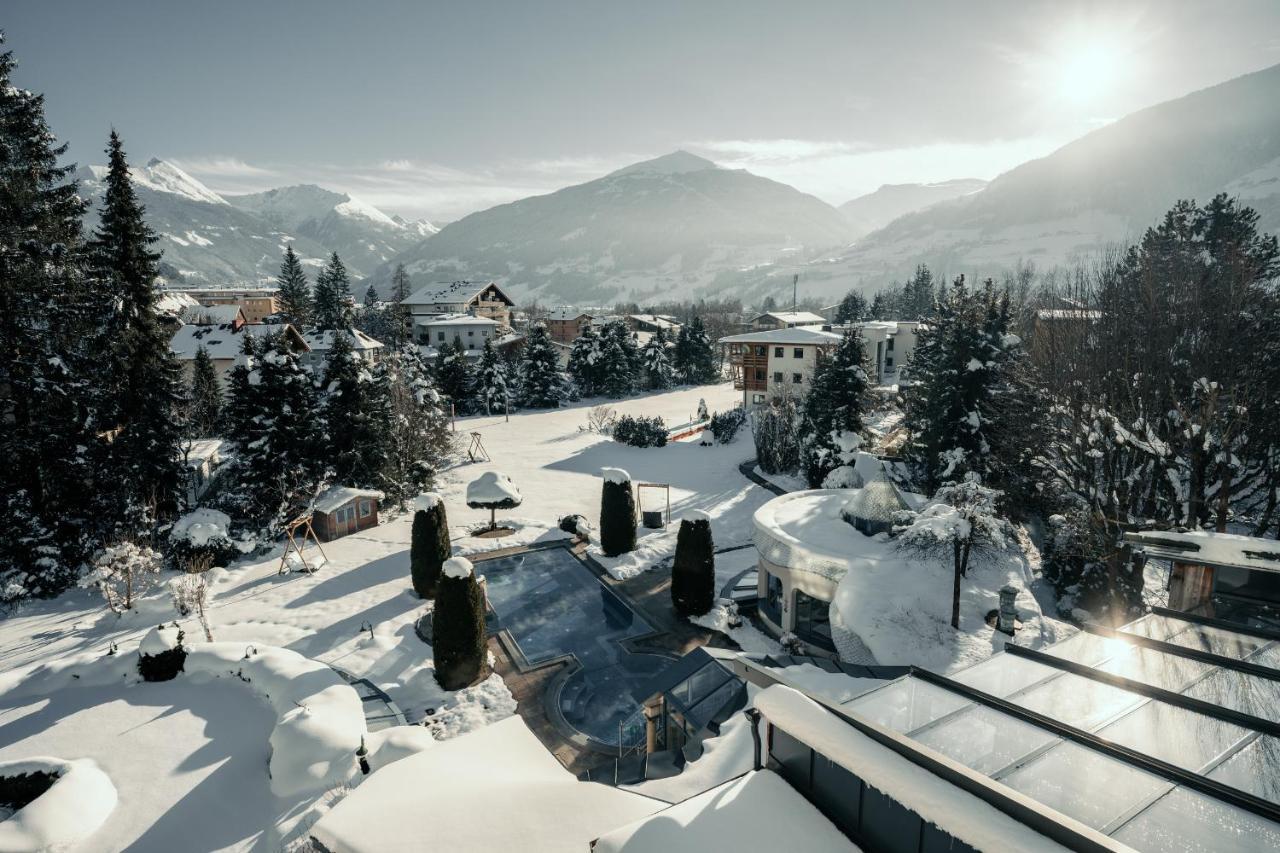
[429, 546]
[295, 292]
[693, 574]
[457, 627]
[617, 513]
[205, 417]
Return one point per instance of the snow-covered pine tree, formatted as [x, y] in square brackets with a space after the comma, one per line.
[419, 427]
[616, 375]
[401, 325]
[585, 362]
[701, 367]
[357, 417]
[682, 356]
[204, 411]
[294, 290]
[489, 388]
[543, 385]
[49, 379]
[852, 309]
[657, 363]
[147, 379]
[917, 294]
[332, 302]
[833, 406]
[617, 331]
[453, 376]
[370, 296]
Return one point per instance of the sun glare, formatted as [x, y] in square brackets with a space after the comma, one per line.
[1089, 72]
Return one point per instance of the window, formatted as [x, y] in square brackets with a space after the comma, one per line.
[777, 352]
[797, 378]
[439, 336]
[888, 345]
[777, 376]
[798, 352]
[471, 333]
[888, 362]
[771, 607]
[761, 351]
[760, 374]
[813, 621]
[366, 509]
[757, 398]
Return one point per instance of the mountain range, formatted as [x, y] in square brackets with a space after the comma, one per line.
[681, 226]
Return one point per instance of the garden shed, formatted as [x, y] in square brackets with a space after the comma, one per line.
[340, 510]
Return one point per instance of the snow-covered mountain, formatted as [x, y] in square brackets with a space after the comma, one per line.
[873, 211]
[677, 224]
[207, 238]
[1103, 189]
[363, 235]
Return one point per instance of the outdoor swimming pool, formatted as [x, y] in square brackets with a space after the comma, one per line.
[553, 606]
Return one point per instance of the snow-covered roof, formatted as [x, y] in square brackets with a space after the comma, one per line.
[497, 788]
[795, 336]
[456, 320]
[758, 811]
[204, 449]
[174, 304]
[660, 320]
[493, 489]
[223, 341]
[1209, 547]
[804, 318]
[460, 292]
[212, 315]
[567, 314]
[323, 341]
[335, 496]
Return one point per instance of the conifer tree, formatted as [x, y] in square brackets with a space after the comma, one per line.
[657, 364]
[853, 308]
[693, 572]
[332, 303]
[617, 513]
[204, 417]
[490, 384]
[144, 374]
[50, 325]
[833, 407]
[429, 543]
[699, 367]
[370, 296]
[543, 385]
[357, 416]
[295, 292]
[616, 373]
[453, 376]
[586, 362]
[401, 321]
[419, 429]
[457, 626]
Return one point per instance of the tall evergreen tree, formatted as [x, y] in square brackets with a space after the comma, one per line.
[370, 296]
[852, 309]
[833, 408]
[204, 417]
[586, 362]
[457, 626]
[332, 303]
[357, 417]
[693, 571]
[401, 321]
[295, 291]
[145, 375]
[657, 363]
[50, 324]
[616, 373]
[418, 427]
[542, 385]
[490, 384]
[429, 543]
[453, 376]
[699, 367]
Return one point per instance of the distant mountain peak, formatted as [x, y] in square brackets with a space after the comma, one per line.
[163, 176]
[675, 163]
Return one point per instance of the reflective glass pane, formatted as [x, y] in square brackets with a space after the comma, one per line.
[1004, 674]
[1077, 701]
[705, 711]
[1240, 691]
[1087, 785]
[1186, 821]
[1201, 637]
[1088, 649]
[984, 739]
[1158, 669]
[1176, 735]
[697, 686]
[1255, 769]
[907, 704]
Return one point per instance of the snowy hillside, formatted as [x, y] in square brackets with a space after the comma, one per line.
[669, 225]
[363, 235]
[873, 211]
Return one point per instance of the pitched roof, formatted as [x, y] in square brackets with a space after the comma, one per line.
[323, 341]
[567, 314]
[796, 335]
[335, 496]
[211, 315]
[222, 341]
[795, 317]
[877, 501]
[460, 292]
[457, 320]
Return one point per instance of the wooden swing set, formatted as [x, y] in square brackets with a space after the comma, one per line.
[661, 487]
[296, 534]
[476, 451]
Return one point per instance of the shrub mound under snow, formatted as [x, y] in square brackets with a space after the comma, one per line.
[78, 802]
[203, 532]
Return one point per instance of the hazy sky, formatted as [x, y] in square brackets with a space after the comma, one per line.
[440, 109]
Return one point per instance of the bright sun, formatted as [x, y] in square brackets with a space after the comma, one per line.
[1089, 72]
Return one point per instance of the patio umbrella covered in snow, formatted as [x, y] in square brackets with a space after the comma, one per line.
[493, 491]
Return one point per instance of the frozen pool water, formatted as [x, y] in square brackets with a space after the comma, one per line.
[553, 606]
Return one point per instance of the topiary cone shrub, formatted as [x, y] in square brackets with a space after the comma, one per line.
[617, 513]
[429, 546]
[457, 627]
[693, 574]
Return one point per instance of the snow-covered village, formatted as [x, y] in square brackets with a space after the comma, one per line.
[631, 428]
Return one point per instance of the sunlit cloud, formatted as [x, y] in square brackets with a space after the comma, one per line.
[230, 167]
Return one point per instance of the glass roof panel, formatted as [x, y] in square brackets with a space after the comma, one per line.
[1186, 821]
[706, 710]
[1003, 674]
[1149, 666]
[1193, 635]
[1077, 701]
[985, 739]
[907, 704]
[1240, 691]
[1088, 649]
[1255, 769]
[1089, 786]
[1183, 738]
[699, 685]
